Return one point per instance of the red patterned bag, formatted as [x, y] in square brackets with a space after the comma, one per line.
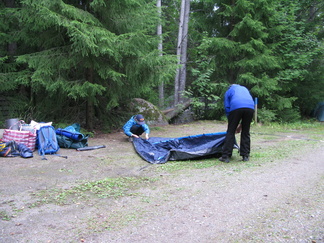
[25, 137]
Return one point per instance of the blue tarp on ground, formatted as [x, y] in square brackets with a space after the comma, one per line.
[158, 150]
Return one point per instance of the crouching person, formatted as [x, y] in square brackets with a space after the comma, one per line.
[136, 126]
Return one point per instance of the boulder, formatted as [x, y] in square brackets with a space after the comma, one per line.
[153, 116]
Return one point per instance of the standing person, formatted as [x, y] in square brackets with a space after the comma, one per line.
[239, 109]
[136, 126]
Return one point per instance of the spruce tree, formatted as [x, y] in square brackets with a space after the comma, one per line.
[265, 45]
[235, 44]
[91, 54]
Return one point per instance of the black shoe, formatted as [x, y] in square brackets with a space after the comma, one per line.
[245, 158]
[224, 159]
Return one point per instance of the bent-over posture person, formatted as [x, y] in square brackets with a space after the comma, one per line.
[239, 109]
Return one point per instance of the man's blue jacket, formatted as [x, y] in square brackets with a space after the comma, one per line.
[131, 123]
[237, 97]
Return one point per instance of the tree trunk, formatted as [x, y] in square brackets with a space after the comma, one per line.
[12, 47]
[173, 112]
[313, 10]
[180, 80]
[9, 3]
[184, 44]
[89, 104]
[160, 48]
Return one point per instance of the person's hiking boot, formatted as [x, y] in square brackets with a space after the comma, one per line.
[224, 159]
[245, 158]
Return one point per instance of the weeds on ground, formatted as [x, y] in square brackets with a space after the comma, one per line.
[106, 188]
[305, 127]
[5, 216]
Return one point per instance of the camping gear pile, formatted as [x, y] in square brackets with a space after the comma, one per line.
[70, 137]
[21, 139]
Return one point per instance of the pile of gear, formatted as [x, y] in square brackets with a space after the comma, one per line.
[21, 139]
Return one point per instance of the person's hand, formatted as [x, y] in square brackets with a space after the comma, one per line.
[135, 136]
[239, 128]
[147, 136]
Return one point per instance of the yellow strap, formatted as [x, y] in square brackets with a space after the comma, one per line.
[2, 146]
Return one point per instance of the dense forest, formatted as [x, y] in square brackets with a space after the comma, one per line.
[85, 60]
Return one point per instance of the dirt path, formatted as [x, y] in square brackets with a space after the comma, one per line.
[274, 203]
[280, 200]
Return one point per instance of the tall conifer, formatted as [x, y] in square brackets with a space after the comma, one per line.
[94, 53]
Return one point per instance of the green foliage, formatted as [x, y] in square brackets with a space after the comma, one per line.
[203, 96]
[289, 115]
[239, 52]
[5, 216]
[301, 126]
[84, 60]
[105, 188]
[99, 54]
[265, 116]
[268, 46]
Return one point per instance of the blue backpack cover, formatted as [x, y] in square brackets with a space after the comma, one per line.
[46, 141]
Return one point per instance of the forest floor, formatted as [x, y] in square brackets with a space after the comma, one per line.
[112, 195]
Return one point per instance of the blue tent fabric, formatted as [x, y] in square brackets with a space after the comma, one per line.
[319, 111]
[158, 150]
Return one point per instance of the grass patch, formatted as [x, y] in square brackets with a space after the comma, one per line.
[111, 221]
[305, 127]
[281, 150]
[157, 129]
[278, 149]
[5, 216]
[106, 188]
[173, 166]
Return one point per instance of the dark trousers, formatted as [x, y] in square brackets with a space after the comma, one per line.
[138, 130]
[245, 116]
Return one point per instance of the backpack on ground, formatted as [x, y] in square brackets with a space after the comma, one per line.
[46, 141]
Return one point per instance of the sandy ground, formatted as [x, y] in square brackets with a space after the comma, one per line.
[279, 199]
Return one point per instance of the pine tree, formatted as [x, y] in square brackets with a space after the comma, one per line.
[93, 54]
[263, 45]
[236, 45]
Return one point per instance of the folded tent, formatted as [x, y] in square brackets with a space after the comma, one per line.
[158, 150]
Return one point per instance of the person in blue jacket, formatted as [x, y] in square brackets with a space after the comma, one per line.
[239, 109]
[136, 126]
